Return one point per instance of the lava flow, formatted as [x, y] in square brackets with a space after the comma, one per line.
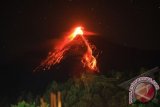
[89, 60]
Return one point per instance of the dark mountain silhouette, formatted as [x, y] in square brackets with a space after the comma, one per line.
[19, 76]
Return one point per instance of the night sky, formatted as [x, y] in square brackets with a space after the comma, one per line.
[128, 35]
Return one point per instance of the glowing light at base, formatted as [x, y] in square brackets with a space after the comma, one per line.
[89, 60]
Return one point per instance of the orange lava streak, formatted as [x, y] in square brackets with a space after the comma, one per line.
[88, 59]
[55, 57]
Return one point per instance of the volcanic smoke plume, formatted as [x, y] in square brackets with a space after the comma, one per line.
[88, 59]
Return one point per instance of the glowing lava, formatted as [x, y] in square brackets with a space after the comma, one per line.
[55, 57]
[77, 31]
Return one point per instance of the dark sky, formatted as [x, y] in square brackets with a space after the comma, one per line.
[133, 23]
[28, 28]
